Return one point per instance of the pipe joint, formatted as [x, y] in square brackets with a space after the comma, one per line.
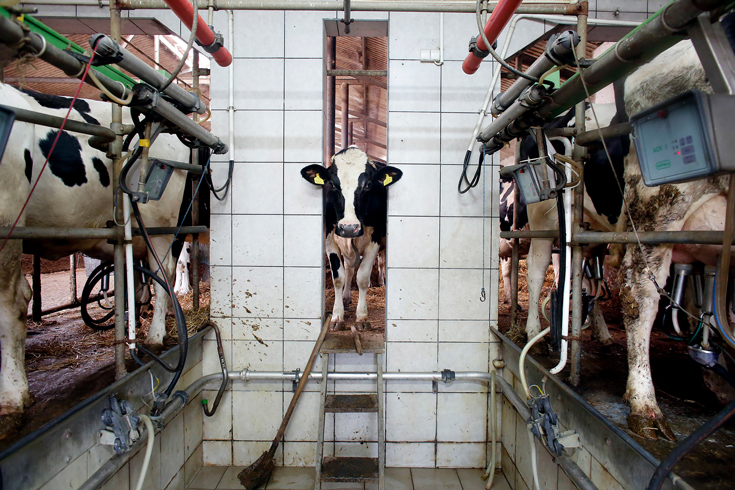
[559, 48]
[482, 54]
[219, 42]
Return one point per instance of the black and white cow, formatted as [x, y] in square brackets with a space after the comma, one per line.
[73, 192]
[355, 215]
[505, 251]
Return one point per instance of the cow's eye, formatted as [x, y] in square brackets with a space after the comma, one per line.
[368, 186]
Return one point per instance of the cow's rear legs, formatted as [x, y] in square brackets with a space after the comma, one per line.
[639, 300]
[539, 256]
[157, 331]
[363, 281]
[15, 293]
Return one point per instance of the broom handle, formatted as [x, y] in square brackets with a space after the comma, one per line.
[302, 383]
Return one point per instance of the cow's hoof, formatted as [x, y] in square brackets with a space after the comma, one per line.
[539, 349]
[155, 347]
[10, 423]
[650, 427]
[362, 325]
[29, 401]
[336, 326]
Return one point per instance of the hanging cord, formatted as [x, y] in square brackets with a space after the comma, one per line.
[479, 166]
[489, 47]
[465, 166]
[192, 37]
[53, 146]
[225, 186]
[661, 291]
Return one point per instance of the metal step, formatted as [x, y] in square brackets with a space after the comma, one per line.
[350, 469]
[351, 403]
[344, 343]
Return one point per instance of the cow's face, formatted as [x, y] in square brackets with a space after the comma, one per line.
[353, 186]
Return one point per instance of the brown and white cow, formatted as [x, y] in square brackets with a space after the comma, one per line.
[355, 215]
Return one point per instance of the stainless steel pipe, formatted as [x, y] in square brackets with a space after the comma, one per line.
[106, 46]
[106, 135]
[38, 233]
[560, 7]
[650, 237]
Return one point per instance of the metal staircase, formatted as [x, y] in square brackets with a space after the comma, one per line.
[334, 469]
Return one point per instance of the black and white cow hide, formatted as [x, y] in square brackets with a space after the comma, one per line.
[355, 215]
[73, 192]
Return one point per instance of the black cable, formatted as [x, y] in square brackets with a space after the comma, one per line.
[476, 178]
[225, 187]
[178, 312]
[688, 444]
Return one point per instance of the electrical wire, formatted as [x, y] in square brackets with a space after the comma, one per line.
[192, 37]
[465, 166]
[53, 146]
[489, 47]
[110, 95]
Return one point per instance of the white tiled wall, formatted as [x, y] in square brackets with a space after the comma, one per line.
[267, 265]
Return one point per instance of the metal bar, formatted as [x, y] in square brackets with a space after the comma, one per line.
[578, 153]
[590, 138]
[357, 73]
[11, 33]
[194, 256]
[344, 128]
[514, 257]
[561, 7]
[330, 102]
[68, 306]
[348, 16]
[119, 248]
[34, 117]
[40, 233]
[641, 45]
[73, 277]
[381, 424]
[36, 308]
[650, 237]
[108, 47]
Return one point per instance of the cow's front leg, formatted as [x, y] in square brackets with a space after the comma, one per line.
[539, 256]
[639, 300]
[363, 280]
[15, 293]
[597, 321]
[157, 332]
[506, 269]
[350, 261]
[338, 279]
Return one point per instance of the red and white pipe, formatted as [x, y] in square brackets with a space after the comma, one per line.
[499, 18]
[184, 10]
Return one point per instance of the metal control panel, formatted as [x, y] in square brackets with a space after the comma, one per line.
[687, 137]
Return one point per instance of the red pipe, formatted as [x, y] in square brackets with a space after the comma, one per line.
[499, 18]
[184, 10]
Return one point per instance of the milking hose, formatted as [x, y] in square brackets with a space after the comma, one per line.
[148, 450]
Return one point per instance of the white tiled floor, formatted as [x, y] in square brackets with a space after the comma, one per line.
[295, 478]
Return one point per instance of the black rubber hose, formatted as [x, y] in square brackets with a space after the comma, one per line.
[559, 305]
[699, 435]
[101, 270]
[178, 312]
[465, 166]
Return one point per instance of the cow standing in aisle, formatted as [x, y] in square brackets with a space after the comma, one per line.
[74, 192]
[355, 215]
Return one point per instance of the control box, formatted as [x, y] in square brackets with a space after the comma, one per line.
[687, 137]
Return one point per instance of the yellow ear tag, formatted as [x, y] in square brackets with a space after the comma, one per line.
[318, 180]
[145, 143]
[388, 180]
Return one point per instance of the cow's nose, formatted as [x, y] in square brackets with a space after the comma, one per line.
[349, 231]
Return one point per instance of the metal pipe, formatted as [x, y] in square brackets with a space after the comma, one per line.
[73, 277]
[194, 256]
[496, 23]
[591, 138]
[36, 278]
[344, 128]
[650, 237]
[105, 134]
[40, 233]
[523, 104]
[348, 16]
[514, 255]
[150, 99]
[331, 91]
[357, 73]
[184, 10]
[106, 46]
[11, 33]
[578, 155]
[120, 217]
[651, 38]
[560, 7]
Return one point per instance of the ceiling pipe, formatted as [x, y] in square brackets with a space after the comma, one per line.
[496, 23]
[184, 10]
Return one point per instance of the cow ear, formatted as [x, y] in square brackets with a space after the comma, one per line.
[387, 176]
[316, 174]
